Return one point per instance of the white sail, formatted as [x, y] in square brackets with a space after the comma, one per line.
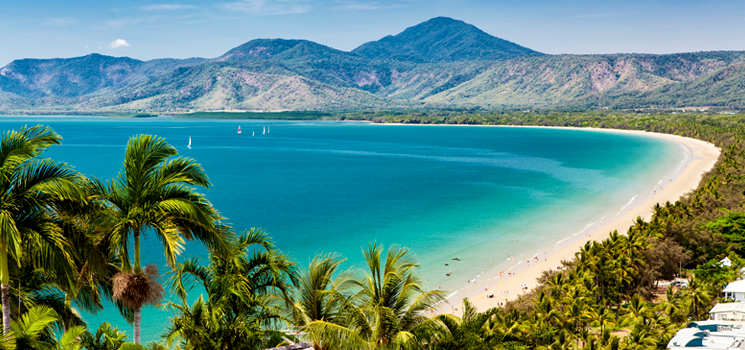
[189, 145]
[264, 132]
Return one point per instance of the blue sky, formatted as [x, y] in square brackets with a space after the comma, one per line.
[196, 28]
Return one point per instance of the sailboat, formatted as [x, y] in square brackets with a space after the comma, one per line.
[239, 129]
[268, 128]
[253, 133]
[264, 132]
[189, 145]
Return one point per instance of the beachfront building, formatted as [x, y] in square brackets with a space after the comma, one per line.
[710, 335]
[735, 291]
[725, 328]
[728, 312]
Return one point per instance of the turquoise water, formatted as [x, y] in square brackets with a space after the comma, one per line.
[479, 193]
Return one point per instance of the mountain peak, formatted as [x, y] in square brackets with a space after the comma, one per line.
[443, 39]
[279, 49]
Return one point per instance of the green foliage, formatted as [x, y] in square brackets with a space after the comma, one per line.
[293, 115]
[247, 289]
[134, 115]
[732, 227]
[388, 310]
[106, 338]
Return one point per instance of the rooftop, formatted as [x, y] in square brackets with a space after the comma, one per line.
[728, 307]
[712, 335]
[735, 287]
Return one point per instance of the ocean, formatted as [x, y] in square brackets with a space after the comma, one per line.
[481, 194]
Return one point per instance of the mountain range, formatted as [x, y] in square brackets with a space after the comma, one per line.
[440, 63]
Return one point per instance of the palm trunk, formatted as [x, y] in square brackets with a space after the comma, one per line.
[138, 268]
[68, 306]
[138, 321]
[5, 280]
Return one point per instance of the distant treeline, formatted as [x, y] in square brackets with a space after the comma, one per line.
[288, 115]
[134, 115]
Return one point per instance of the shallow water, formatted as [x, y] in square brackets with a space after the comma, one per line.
[482, 194]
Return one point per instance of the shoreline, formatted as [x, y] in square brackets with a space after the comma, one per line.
[703, 156]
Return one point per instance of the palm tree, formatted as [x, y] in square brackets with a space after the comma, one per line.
[155, 191]
[473, 331]
[320, 292]
[389, 310]
[698, 297]
[31, 191]
[247, 291]
[105, 338]
[503, 327]
[34, 330]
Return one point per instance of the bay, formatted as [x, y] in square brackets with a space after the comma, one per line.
[483, 194]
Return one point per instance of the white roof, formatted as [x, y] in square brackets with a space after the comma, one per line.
[728, 307]
[726, 262]
[735, 287]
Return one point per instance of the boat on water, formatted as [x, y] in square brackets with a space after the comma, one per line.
[189, 145]
[239, 129]
[264, 132]
[253, 133]
[268, 128]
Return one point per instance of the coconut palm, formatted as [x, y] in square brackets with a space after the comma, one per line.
[320, 292]
[31, 191]
[389, 310]
[504, 327]
[155, 192]
[698, 297]
[247, 291]
[472, 331]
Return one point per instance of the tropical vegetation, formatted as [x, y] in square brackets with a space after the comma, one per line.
[69, 242]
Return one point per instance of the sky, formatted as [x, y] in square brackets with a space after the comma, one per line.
[196, 28]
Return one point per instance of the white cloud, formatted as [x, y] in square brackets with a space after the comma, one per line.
[118, 43]
[168, 7]
[269, 7]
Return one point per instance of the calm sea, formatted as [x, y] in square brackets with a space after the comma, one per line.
[483, 194]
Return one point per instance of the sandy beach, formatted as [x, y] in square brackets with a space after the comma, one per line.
[511, 283]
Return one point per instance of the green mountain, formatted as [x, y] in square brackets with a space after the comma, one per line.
[593, 80]
[249, 85]
[439, 63]
[318, 62]
[442, 39]
[78, 76]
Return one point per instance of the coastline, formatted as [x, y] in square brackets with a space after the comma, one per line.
[703, 157]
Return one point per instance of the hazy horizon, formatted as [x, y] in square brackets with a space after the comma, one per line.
[198, 28]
